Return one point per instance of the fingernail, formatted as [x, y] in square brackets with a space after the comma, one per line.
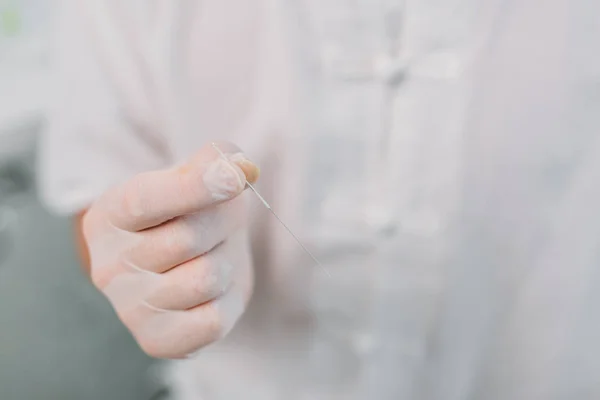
[223, 180]
[251, 170]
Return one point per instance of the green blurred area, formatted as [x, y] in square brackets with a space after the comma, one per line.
[10, 20]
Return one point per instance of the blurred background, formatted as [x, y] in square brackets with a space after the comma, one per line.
[54, 328]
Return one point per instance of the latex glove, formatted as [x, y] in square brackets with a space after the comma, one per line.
[170, 251]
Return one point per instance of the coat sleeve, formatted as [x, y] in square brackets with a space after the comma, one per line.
[98, 128]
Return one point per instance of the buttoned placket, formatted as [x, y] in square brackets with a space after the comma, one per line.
[414, 220]
[385, 68]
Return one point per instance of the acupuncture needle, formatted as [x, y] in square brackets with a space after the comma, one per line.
[268, 207]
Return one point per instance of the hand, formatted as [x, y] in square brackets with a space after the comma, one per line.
[170, 251]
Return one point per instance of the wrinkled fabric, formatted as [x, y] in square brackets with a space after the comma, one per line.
[439, 157]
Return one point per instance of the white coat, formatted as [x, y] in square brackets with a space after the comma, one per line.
[442, 159]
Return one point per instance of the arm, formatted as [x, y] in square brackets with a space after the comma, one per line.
[82, 249]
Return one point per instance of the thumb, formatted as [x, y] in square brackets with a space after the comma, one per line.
[152, 198]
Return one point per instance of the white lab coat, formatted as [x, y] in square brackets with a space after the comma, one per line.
[441, 158]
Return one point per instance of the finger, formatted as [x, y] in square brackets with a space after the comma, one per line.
[185, 286]
[152, 198]
[190, 284]
[184, 238]
[177, 334]
[195, 282]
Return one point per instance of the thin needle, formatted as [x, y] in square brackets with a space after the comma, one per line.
[268, 206]
[288, 229]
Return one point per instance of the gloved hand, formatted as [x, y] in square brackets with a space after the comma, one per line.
[170, 251]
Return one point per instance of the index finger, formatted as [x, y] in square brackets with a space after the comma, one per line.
[151, 198]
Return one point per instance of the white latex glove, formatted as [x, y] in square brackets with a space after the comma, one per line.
[170, 251]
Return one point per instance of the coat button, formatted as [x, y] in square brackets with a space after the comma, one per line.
[388, 69]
